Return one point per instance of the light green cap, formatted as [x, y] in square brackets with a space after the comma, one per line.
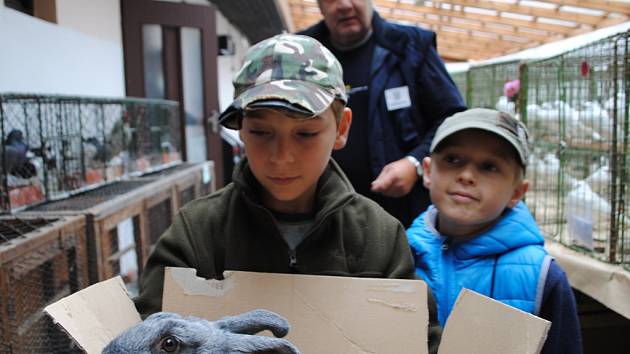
[286, 71]
[500, 123]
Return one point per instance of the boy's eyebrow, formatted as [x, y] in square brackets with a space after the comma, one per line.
[258, 113]
[252, 114]
[499, 154]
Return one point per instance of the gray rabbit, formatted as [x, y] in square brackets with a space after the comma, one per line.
[165, 332]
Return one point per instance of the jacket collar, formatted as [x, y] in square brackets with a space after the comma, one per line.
[517, 228]
[334, 190]
[388, 36]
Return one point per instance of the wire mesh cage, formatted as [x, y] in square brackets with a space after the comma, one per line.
[115, 227]
[173, 188]
[42, 259]
[577, 113]
[460, 78]
[493, 86]
[54, 146]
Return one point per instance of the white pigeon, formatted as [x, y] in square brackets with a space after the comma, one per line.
[595, 117]
[600, 180]
[621, 103]
[585, 212]
[583, 202]
[504, 105]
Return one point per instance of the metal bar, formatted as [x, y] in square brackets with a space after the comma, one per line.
[44, 147]
[625, 173]
[614, 168]
[523, 74]
[5, 199]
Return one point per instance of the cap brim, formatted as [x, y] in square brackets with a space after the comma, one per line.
[298, 96]
[481, 126]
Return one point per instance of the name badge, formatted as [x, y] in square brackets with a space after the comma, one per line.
[397, 98]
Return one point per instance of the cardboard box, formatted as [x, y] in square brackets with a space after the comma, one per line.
[327, 314]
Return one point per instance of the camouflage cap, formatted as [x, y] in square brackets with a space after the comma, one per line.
[499, 123]
[286, 71]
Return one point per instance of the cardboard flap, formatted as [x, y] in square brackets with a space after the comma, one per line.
[327, 314]
[481, 325]
[95, 315]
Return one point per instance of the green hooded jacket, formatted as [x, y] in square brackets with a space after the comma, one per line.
[231, 230]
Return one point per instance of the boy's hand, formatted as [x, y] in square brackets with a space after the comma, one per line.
[396, 179]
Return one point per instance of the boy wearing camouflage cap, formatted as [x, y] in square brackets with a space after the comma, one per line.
[479, 235]
[289, 209]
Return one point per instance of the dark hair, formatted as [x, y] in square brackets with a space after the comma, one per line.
[337, 107]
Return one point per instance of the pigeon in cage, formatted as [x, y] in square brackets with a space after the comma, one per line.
[172, 333]
[16, 156]
[600, 179]
[504, 105]
[620, 100]
[550, 117]
[545, 118]
[595, 117]
[583, 202]
[44, 154]
[547, 170]
[587, 214]
[95, 153]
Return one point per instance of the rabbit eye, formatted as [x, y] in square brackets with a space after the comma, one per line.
[169, 344]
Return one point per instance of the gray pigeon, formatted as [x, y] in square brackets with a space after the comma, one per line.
[15, 152]
[165, 332]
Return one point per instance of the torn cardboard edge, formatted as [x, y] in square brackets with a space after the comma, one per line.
[95, 315]
[474, 317]
[606, 283]
[327, 314]
[350, 315]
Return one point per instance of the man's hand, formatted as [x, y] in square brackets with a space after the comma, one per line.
[396, 179]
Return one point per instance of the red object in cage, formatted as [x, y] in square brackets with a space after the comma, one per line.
[25, 195]
[585, 68]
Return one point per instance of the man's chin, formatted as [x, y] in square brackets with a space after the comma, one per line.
[350, 37]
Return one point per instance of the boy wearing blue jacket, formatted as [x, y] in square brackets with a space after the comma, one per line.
[479, 235]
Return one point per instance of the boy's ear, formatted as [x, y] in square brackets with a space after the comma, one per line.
[426, 172]
[343, 129]
[519, 191]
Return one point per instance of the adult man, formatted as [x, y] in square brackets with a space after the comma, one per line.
[399, 93]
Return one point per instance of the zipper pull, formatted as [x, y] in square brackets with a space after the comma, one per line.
[292, 260]
[445, 247]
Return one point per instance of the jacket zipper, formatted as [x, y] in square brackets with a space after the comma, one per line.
[292, 260]
[293, 264]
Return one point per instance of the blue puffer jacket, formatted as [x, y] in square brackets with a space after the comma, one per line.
[507, 263]
[404, 56]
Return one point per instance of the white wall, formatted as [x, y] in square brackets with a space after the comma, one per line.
[227, 65]
[78, 56]
[98, 18]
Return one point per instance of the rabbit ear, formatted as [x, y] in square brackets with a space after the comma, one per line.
[255, 321]
[244, 343]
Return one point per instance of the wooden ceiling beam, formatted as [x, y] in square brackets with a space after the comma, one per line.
[439, 24]
[464, 35]
[471, 31]
[528, 10]
[485, 49]
[553, 28]
[427, 12]
[461, 54]
[620, 6]
[469, 38]
[611, 21]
